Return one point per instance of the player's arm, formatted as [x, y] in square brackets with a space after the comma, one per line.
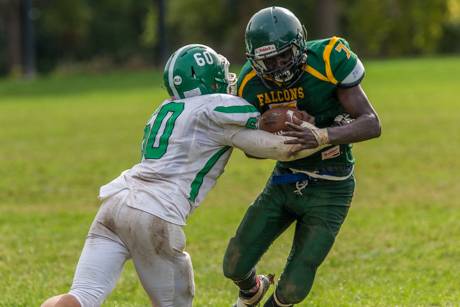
[345, 70]
[349, 71]
[262, 144]
[365, 126]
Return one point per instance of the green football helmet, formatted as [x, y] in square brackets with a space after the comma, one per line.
[197, 70]
[276, 45]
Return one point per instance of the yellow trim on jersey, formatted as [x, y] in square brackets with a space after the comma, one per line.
[327, 59]
[315, 73]
[246, 79]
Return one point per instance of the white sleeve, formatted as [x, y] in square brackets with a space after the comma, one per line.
[233, 110]
[355, 76]
[262, 144]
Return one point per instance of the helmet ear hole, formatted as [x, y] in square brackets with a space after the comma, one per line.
[193, 72]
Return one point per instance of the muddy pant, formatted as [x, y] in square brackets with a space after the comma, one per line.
[318, 209]
[119, 233]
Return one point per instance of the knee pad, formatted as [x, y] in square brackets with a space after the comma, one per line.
[232, 265]
[184, 283]
[188, 270]
[314, 252]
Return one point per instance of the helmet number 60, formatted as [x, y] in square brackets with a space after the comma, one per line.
[202, 59]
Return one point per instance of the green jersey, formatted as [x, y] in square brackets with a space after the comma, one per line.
[330, 64]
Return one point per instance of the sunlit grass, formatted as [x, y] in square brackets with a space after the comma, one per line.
[62, 138]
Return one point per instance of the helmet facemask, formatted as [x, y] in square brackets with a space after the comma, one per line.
[283, 66]
[230, 79]
[276, 46]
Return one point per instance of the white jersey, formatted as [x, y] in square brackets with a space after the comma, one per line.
[187, 144]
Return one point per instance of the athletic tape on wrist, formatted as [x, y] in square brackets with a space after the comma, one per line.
[321, 135]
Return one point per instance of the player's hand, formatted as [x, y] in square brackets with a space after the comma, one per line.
[307, 117]
[305, 135]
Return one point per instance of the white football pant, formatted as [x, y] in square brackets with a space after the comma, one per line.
[120, 232]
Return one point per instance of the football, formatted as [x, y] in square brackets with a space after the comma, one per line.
[274, 120]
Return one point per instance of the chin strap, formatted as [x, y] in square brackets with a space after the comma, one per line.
[279, 84]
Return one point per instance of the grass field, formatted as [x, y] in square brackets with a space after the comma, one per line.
[63, 137]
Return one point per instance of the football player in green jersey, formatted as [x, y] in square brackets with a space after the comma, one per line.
[322, 78]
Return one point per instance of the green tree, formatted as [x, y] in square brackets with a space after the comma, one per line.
[451, 38]
[10, 22]
[395, 27]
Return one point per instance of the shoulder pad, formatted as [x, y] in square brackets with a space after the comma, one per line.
[342, 65]
[246, 74]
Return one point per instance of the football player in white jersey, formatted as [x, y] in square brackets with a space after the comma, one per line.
[187, 143]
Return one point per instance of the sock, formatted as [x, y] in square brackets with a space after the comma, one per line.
[249, 284]
[252, 291]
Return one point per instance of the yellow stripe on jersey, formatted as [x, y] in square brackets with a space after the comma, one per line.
[246, 79]
[315, 73]
[327, 59]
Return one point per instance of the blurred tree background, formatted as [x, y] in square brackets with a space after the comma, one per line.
[99, 35]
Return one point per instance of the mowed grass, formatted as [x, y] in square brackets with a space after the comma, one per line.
[63, 137]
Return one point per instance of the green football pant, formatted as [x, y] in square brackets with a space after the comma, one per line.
[318, 212]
